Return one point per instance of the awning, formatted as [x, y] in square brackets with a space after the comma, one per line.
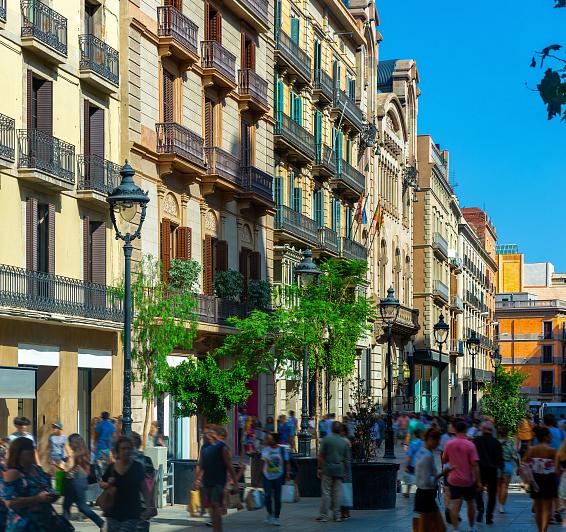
[17, 383]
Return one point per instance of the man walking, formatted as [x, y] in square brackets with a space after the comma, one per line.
[332, 463]
[105, 430]
[293, 425]
[463, 476]
[490, 454]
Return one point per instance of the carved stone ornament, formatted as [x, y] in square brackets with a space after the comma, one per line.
[211, 223]
[246, 236]
[170, 206]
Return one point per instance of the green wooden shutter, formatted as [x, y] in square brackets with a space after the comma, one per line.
[318, 201]
[348, 157]
[277, 16]
[278, 190]
[291, 190]
[333, 217]
[338, 217]
[295, 30]
[348, 222]
[318, 134]
[298, 199]
[352, 89]
[279, 96]
[300, 110]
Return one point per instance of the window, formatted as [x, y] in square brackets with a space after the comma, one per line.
[279, 96]
[349, 222]
[318, 206]
[168, 99]
[175, 243]
[215, 259]
[248, 52]
[40, 236]
[92, 19]
[213, 24]
[94, 251]
[317, 55]
[278, 190]
[547, 330]
[352, 89]
[546, 357]
[546, 381]
[246, 146]
[336, 215]
[297, 108]
[40, 105]
[209, 123]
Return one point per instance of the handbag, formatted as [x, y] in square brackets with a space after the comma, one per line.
[347, 495]
[194, 507]
[57, 523]
[254, 499]
[107, 499]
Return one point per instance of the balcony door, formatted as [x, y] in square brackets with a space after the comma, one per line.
[317, 56]
[215, 259]
[246, 146]
[248, 52]
[94, 146]
[209, 123]
[175, 244]
[94, 251]
[168, 96]
[40, 236]
[177, 4]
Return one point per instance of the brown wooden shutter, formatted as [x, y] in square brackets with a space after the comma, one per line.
[221, 256]
[250, 55]
[218, 19]
[51, 239]
[184, 243]
[178, 4]
[45, 107]
[86, 250]
[98, 253]
[31, 234]
[30, 95]
[206, 21]
[168, 80]
[96, 132]
[165, 247]
[208, 123]
[255, 265]
[86, 128]
[208, 274]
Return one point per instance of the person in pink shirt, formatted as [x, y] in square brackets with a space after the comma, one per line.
[463, 477]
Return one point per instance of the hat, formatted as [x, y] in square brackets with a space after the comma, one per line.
[57, 425]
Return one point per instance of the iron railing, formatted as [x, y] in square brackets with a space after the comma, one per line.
[172, 23]
[532, 303]
[44, 292]
[175, 139]
[353, 250]
[323, 82]
[223, 164]
[457, 346]
[257, 181]
[212, 309]
[352, 113]
[438, 159]
[45, 24]
[473, 300]
[329, 239]
[325, 157]
[41, 151]
[7, 137]
[299, 225]
[259, 8]
[439, 243]
[290, 50]
[441, 290]
[3, 10]
[97, 56]
[295, 135]
[351, 176]
[250, 83]
[408, 316]
[98, 174]
[214, 55]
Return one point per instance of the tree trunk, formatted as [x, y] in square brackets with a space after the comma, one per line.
[147, 420]
[275, 398]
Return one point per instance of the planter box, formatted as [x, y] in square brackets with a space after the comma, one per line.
[309, 485]
[374, 485]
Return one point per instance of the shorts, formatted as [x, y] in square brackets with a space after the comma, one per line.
[508, 469]
[468, 493]
[212, 495]
[425, 501]
[547, 486]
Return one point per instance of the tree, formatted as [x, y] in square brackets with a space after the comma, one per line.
[503, 401]
[164, 319]
[363, 409]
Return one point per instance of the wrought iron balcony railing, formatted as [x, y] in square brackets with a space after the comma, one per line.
[173, 138]
[353, 250]
[326, 158]
[214, 55]
[297, 58]
[295, 135]
[351, 176]
[98, 174]
[43, 152]
[252, 84]
[329, 240]
[44, 292]
[7, 137]
[352, 113]
[3, 10]
[172, 23]
[299, 225]
[223, 164]
[258, 182]
[438, 159]
[457, 303]
[324, 84]
[45, 24]
[97, 56]
[212, 309]
[259, 8]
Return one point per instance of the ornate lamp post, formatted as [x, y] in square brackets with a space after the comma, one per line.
[496, 361]
[128, 200]
[389, 307]
[307, 274]
[473, 345]
[441, 336]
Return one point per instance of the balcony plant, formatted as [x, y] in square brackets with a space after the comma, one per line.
[184, 274]
[259, 294]
[229, 285]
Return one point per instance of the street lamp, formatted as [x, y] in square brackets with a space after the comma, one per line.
[307, 274]
[441, 336]
[473, 345]
[389, 307]
[496, 361]
[128, 200]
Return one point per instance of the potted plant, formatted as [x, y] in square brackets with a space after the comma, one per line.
[229, 285]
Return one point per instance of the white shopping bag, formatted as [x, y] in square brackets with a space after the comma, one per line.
[347, 495]
[288, 493]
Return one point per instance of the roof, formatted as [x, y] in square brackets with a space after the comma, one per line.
[506, 249]
[385, 71]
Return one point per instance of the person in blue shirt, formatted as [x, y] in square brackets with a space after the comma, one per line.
[105, 430]
[410, 460]
[556, 435]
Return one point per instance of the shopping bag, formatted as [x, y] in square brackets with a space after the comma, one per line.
[347, 495]
[60, 481]
[288, 493]
[232, 498]
[194, 506]
[254, 499]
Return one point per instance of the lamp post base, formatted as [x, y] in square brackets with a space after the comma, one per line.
[389, 444]
[304, 438]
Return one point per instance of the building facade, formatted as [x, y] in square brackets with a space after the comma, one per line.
[59, 149]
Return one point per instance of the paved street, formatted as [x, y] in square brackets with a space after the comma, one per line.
[301, 516]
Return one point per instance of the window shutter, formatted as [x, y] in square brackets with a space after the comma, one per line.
[98, 260]
[208, 124]
[86, 250]
[278, 190]
[221, 255]
[338, 218]
[298, 199]
[218, 18]
[51, 239]
[184, 243]
[255, 265]
[207, 22]
[96, 132]
[31, 234]
[319, 207]
[86, 124]
[208, 274]
[295, 30]
[279, 96]
[250, 55]
[243, 267]
[165, 247]
[178, 4]
[30, 101]
[167, 96]
[45, 107]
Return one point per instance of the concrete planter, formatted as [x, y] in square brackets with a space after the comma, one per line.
[309, 484]
[374, 485]
[184, 471]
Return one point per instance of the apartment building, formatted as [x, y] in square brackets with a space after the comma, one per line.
[199, 131]
[59, 154]
[436, 264]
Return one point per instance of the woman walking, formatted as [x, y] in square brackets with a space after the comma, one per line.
[410, 457]
[275, 469]
[78, 471]
[127, 476]
[540, 459]
[510, 460]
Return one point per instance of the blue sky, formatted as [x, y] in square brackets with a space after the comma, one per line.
[505, 156]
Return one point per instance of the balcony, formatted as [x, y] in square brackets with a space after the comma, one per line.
[7, 141]
[474, 301]
[223, 169]
[353, 250]
[46, 160]
[407, 323]
[329, 241]
[295, 228]
[99, 65]
[44, 31]
[349, 179]
[293, 139]
[58, 296]
[218, 66]
[440, 246]
[323, 88]
[179, 149]
[289, 55]
[346, 108]
[456, 264]
[216, 311]
[178, 36]
[258, 183]
[97, 178]
[457, 304]
[440, 291]
[457, 347]
[325, 161]
[439, 161]
[254, 12]
[252, 89]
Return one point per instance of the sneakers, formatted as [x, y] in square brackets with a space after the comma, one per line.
[269, 520]
[502, 509]
[322, 519]
[275, 521]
